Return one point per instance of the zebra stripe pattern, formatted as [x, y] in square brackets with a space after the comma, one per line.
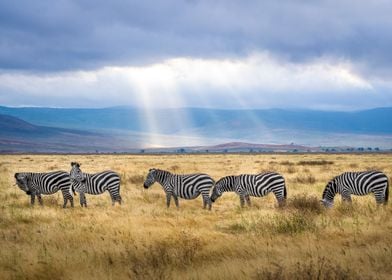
[187, 186]
[357, 183]
[247, 185]
[95, 184]
[36, 184]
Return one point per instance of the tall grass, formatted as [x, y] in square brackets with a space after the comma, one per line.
[142, 239]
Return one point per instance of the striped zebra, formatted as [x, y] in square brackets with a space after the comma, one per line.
[95, 183]
[187, 186]
[246, 185]
[36, 184]
[357, 183]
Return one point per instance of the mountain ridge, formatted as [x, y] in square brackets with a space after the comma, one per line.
[129, 128]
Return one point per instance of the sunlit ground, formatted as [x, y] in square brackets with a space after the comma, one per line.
[141, 239]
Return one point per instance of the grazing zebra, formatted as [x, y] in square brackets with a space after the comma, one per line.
[246, 185]
[95, 183]
[35, 184]
[357, 183]
[188, 186]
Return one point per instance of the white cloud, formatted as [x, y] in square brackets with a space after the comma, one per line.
[258, 79]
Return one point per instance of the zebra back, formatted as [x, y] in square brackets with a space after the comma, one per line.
[45, 183]
[98, 183]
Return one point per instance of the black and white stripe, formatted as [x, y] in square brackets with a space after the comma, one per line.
[95, 183]
[247, 185]
[357, 183]
[187, 186]
[36, 184]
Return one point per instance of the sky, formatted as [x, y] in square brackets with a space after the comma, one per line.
[330, 55]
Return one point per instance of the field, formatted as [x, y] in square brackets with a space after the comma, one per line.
[142, 239]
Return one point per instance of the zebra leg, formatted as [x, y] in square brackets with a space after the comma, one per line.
[67, 196]
[207, 201]
[280, 198]
[114, 195]
[242, 200]
[248, 200]
[380, 197]
[176, 201]
[346, 197]
[83, 200]
[72, 202]
[168, 198]
[32, 199]
[40, 199]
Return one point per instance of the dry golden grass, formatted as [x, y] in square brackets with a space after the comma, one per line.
[143, 240]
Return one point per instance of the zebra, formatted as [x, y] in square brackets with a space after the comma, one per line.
[95, 183]
[187, 186]
[36, 184]
[357, 183]
[246, 185]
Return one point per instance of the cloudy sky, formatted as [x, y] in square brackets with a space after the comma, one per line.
[332, 54]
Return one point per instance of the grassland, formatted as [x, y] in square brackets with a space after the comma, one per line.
[143, 240]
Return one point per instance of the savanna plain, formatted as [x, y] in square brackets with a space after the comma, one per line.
[142, 239]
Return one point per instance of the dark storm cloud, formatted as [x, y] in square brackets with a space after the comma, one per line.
[67, 35]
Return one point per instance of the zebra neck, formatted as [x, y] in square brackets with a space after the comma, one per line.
[228, 188]
[162, 177]
[330, 192]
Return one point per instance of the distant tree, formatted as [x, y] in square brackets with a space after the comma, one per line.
[142, 151]
[369, 148]
[225, 150]
[377, 149]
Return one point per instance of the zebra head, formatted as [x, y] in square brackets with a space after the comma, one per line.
[76, 174]
[217, 190]
[22, 180]
[150, 178]
[329, 194]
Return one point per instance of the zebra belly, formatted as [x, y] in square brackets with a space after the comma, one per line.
[359, 193]
[193, 196]
[187, 193]
[96, 193]
[256, 193]
[50, 190]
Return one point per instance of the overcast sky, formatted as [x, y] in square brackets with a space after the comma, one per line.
[171, 53]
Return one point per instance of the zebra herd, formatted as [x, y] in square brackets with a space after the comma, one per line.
[190, 186]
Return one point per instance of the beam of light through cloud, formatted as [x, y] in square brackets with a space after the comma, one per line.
[258, 80]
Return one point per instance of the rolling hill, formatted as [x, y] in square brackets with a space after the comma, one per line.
[131, 129]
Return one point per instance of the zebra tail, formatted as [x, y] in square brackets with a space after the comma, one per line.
[387, 193]
[285, 191]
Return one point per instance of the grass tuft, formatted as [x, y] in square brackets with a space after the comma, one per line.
[322, 269]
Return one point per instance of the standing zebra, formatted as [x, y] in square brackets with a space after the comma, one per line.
[246, 185]
[35, 184]
[357, 183]
[188, 186]
[95, 183]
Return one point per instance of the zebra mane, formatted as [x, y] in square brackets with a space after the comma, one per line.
[75, 164]
[225, 178]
